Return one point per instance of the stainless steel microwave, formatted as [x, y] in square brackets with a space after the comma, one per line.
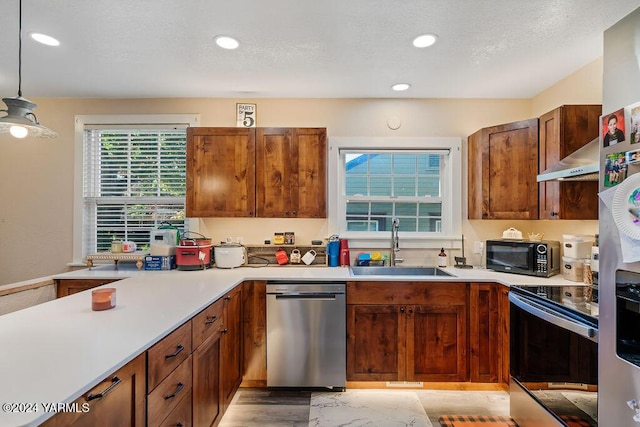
[540, 259]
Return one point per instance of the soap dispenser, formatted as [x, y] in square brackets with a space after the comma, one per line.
[442, 258]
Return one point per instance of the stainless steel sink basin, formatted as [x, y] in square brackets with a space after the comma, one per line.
[398, 271]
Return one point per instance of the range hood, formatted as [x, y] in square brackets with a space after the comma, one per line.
[581, 165]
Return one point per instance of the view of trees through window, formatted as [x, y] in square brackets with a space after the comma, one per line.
[135, 180]
[385, 184]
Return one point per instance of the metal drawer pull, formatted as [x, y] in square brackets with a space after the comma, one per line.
[210, 320]
[114, 382]
[175, 393]
[179, 349]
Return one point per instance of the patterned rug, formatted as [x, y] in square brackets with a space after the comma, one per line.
[497, 421]
[476, 420]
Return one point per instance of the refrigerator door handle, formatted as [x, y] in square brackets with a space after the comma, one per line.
[557, 319]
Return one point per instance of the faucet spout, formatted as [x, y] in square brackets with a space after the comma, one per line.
[395, 243]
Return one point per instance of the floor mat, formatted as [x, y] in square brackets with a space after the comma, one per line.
[367, 408]
[497, 421]
[476, 420]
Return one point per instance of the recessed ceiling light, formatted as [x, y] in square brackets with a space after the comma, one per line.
[227, 42]
[425, 40]
[45, 39]
[400, 86]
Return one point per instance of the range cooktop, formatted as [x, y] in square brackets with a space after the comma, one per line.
[576, 299]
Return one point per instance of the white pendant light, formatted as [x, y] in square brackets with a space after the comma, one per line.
[20, 120]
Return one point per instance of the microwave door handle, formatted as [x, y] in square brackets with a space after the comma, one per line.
[560, 321]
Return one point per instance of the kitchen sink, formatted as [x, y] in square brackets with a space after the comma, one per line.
[398, 271]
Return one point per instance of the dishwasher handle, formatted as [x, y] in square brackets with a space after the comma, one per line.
[307, 296]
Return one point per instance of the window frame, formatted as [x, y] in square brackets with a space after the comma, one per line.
[452, 186]
[116, 120]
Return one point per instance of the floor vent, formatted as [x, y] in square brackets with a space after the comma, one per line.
[404, 384]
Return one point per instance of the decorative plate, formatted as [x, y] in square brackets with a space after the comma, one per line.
[626, 206]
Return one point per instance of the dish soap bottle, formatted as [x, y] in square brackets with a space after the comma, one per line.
[442, 258]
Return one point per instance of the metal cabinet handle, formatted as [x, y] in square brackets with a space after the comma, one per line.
[175, 393]
[295, 213]
[227, 298]
[554, 213]
[115, 381]
[402, 310]
[210, 320]
[179, 349]
[411, 311]
[225, 330]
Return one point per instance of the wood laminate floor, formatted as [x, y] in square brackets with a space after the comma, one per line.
[262, 407]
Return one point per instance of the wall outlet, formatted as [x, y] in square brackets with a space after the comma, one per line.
[478, 247]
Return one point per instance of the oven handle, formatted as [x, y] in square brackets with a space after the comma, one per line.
[557, 319]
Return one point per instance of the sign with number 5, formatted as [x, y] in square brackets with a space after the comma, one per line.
[246, 115]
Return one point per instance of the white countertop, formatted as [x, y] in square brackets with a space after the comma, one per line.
[56, 351]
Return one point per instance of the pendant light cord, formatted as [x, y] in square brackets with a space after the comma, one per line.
[20, 50]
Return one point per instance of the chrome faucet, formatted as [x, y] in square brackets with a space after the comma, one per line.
[395, 244]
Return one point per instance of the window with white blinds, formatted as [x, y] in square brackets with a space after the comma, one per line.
[134, 179]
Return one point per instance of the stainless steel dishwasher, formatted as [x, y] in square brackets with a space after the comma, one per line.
[306, 334]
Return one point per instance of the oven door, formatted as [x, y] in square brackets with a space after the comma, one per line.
[553, 363]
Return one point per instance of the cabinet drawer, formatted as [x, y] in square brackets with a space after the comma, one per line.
[432, 293]
[207, 322]
[167, 354]
[169, 393]
[181, 415]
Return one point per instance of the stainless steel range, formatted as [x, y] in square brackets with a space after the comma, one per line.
[554, 356]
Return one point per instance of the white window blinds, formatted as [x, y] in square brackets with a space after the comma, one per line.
[134, 179]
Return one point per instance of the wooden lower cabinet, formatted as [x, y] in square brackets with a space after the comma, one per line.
[484, 334]
[119, 400]
[254, 331]
[231, 367]
[425, 341]
[65, 287]
[504, 327]
[207, 398]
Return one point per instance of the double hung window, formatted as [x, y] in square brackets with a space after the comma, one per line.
[414, 180]
[134, 180]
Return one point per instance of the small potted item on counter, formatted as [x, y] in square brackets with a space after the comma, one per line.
[290, 238]
[103, 299]
[116, 246]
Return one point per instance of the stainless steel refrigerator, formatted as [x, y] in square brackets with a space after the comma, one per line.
[619, 375]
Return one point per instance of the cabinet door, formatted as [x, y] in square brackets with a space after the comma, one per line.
[503, 165]
[437, 343]
[376, 342]
[275, 164]
[309, 195]
[254, 316]
[231, 374]
[563, 131]
[504, 325]
[207, 399]
[484, 334]
[119, 400]
[220, 172]
[291, 172]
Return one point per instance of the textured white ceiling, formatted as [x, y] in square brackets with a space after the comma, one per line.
[301, 48]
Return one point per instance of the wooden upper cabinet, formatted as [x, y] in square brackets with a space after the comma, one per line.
[220, 172]
[291, 172]
[248, 172]
[563, 131]
[502, 170]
